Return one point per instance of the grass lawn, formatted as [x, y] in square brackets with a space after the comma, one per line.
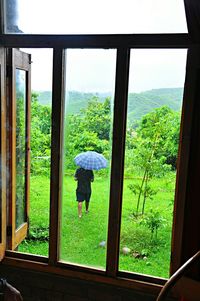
[80, 238]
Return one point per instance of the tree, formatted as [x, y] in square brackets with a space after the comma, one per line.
[153, 145]
[88, 130]
[167, 122]
[98, 117]
[40, 136]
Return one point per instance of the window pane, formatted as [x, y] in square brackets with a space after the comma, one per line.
[154, 111]
[86, 17]
[20, 145]
[90, 79]
[40, 143]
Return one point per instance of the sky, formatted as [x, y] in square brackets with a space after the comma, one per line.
[94, 70]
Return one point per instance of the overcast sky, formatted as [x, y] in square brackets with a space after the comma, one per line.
[96, 71]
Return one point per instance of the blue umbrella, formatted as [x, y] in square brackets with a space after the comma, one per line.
[91, 160]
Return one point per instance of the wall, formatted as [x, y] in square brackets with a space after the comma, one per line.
[36, 286]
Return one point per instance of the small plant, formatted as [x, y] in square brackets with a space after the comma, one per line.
[144, 191]
[153, 221]
[38, 233]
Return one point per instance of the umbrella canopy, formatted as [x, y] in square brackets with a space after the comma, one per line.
[91, 160]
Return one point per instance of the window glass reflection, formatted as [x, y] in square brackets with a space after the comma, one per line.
[37, 240]
[20, 145]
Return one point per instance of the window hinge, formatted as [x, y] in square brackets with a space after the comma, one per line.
[9, 230]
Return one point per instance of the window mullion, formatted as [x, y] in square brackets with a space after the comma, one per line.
[56, 152]
[2, 155]
[28, 142]
[186, 207]
[118, 149]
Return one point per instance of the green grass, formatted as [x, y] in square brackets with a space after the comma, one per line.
[80, 238]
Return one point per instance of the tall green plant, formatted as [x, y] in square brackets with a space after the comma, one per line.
[150, 140]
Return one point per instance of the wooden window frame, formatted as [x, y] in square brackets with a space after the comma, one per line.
[17, 60]
[123, 44]
[2, 154]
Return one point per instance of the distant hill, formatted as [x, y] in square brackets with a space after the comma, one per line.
[139, 104]
[44, 97]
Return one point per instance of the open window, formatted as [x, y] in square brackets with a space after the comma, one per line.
[18, 145]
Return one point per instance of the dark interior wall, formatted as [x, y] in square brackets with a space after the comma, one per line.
[37, 286]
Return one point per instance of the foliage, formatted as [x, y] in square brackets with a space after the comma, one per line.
[143, 103]
[161, 127]
[139, 104]
[153, 220]
[20, 156]
[142, 190]
[40, 136]
[89, 130]
[153, 139]
[153, 143]
[38, 233]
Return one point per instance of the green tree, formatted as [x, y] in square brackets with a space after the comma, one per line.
[40, 136]
[155, 141]
[166, 123]
[88, 130]
[98, 117]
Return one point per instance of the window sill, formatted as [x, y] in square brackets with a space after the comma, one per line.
[141, 283]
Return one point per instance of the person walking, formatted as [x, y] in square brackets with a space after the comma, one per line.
[84, 177]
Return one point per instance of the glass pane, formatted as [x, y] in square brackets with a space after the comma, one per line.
[20, 145]
[154, 111]
[37, 241]
[90, 79]
[90, 17]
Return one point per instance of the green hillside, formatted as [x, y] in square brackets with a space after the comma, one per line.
[139, 104]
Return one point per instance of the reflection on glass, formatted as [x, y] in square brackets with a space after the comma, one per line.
[37, 241]
[85, 17]
[90, 78]
[154, 112]
[20, 145]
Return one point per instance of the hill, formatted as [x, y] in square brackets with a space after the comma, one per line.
[139, 104]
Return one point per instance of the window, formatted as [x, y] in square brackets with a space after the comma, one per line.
[122, 48]
[90, 77]
[78, 17]
[18, 144]
[151, 150]
[40, 152]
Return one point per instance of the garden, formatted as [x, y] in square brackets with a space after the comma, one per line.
[148, 190]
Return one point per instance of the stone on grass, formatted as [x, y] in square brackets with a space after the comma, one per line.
[126, 250]
[102, 244]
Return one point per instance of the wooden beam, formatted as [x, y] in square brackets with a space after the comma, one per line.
[96, 41]
[56, 152]
[186, 207]
[117, 168]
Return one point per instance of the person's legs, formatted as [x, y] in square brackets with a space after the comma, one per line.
[87, 206]
[80, 199]
[87, 201]
[80, 209]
